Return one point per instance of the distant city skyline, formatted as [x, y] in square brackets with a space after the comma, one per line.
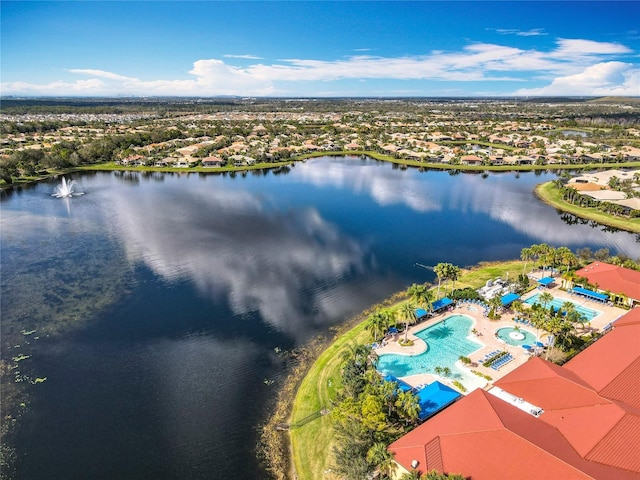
[320, 49]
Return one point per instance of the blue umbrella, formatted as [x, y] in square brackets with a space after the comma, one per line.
[539, 344]
[526, 347]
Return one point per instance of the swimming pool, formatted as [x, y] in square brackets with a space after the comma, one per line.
[516, 337]
[446, 342]
[588, 313]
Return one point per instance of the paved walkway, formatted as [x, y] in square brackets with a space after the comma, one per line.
[486, 334]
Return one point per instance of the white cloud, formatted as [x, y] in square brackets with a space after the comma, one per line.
[534, 32]
[246, 57]
[100, 74]
[475, 62]
[568, 47]
[602, 79]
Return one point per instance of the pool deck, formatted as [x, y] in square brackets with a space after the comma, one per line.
[486, 329]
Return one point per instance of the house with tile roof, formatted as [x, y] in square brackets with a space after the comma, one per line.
[585, 423]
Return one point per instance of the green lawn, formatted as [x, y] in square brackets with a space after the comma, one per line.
[549, 194]
[312, 443]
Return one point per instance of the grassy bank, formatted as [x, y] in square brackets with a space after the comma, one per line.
[549, 194]
[112, 166]
[312, 442]
[468, 168]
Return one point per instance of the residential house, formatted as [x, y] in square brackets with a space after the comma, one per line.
[212, 161]
[471, 160]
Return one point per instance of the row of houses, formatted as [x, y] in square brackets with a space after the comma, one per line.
[597, 186]
[189, 162]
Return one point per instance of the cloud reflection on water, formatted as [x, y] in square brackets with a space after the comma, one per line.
[234, 245]
[500, 196]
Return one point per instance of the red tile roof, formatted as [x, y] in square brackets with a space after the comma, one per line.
[608, 358]
[484, 437]
[590, 427]
[613, 278]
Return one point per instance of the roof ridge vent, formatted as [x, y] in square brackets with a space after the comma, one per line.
[517, 402]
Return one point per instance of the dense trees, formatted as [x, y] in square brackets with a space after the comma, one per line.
[572, 196]
[447, 271]
[368, 415]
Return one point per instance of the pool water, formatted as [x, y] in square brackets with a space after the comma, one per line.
[588, 313]
[446, 342]
[527, 337]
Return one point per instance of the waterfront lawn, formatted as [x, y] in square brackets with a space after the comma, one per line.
[312, 443]
[549, 194]
[477, 277]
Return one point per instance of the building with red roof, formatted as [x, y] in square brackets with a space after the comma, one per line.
[577, 421]
[615, 279]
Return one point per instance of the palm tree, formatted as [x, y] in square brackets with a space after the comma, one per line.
[526, 254]
[356, 352]
[376, 322]
[495, 303]
[571, 313]
[454, 274]
[389, 392]
[441, 270]
[382, 458]
[421, 295]
[540, 252]
[539, 321]
[566, 257]
[518, 307]
[412, 475]
[408, 406]
[407, 314]
[545, 299]
[435, 475]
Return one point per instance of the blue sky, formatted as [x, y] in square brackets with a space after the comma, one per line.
[328, 48]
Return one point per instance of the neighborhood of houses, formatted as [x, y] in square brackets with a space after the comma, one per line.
[241, 138]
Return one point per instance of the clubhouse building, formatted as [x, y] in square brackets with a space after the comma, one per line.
[540, 421]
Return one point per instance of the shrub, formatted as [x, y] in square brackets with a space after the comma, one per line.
[480, 374]
[465, 360]
[459, 386]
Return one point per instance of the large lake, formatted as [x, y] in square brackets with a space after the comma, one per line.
[158, 299]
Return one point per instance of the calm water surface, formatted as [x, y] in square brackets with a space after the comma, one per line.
[158, 300]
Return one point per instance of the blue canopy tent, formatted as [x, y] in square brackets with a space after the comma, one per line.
[421, 312]
[546, 281]
[509, 298]
[440, 304]
[434, 397]
[590, 293]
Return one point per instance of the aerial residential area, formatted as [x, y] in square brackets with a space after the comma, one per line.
[465, 133]
[319, 240]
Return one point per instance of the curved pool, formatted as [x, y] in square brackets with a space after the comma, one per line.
[446, 340]
[515, 337]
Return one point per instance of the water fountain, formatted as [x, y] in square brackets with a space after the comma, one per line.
[66, 189]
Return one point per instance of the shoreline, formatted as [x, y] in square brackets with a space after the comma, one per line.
[307, 390]
[275, 447]
[112, 166]
[545, 193]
